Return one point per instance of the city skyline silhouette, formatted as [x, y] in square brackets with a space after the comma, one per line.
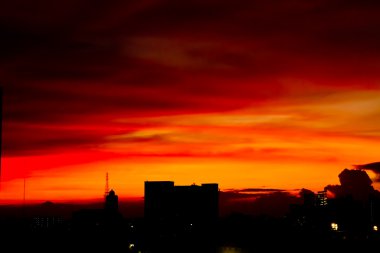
[354, 183]
[190, 219]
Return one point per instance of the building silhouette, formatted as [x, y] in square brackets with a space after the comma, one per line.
[308, 198]
[194, 203]
[180, 212]
[111, 201]
[158, 198]
[321, 199]
[108, 219]
[39, 223]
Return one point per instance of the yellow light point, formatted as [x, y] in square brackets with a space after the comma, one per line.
[375, 228]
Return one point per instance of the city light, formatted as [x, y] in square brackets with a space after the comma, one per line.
[230, 250]
[375, 228]
[334, 226]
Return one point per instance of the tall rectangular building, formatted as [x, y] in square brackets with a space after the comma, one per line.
[321, 198]
[180, 211]
[158, 200]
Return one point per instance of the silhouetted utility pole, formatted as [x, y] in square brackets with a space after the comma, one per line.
[1, 132]
[24, 193]
[24, 200]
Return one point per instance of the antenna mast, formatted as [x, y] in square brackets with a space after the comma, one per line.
[106, 189]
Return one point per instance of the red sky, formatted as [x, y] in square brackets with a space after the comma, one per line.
[248, 94]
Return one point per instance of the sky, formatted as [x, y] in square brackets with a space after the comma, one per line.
[248, 94]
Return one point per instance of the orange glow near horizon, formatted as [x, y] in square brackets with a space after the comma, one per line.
[283, 146]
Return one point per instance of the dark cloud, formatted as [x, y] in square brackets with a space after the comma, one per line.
[246, 195]
[272, 203]
[336, 190]
[69, 39]
[304, 192]
[37, 139]
[254, 190]
[374, 167]
[355, 179]
[276, 204]
[232, 196]
[354, 183]
[62, 61]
